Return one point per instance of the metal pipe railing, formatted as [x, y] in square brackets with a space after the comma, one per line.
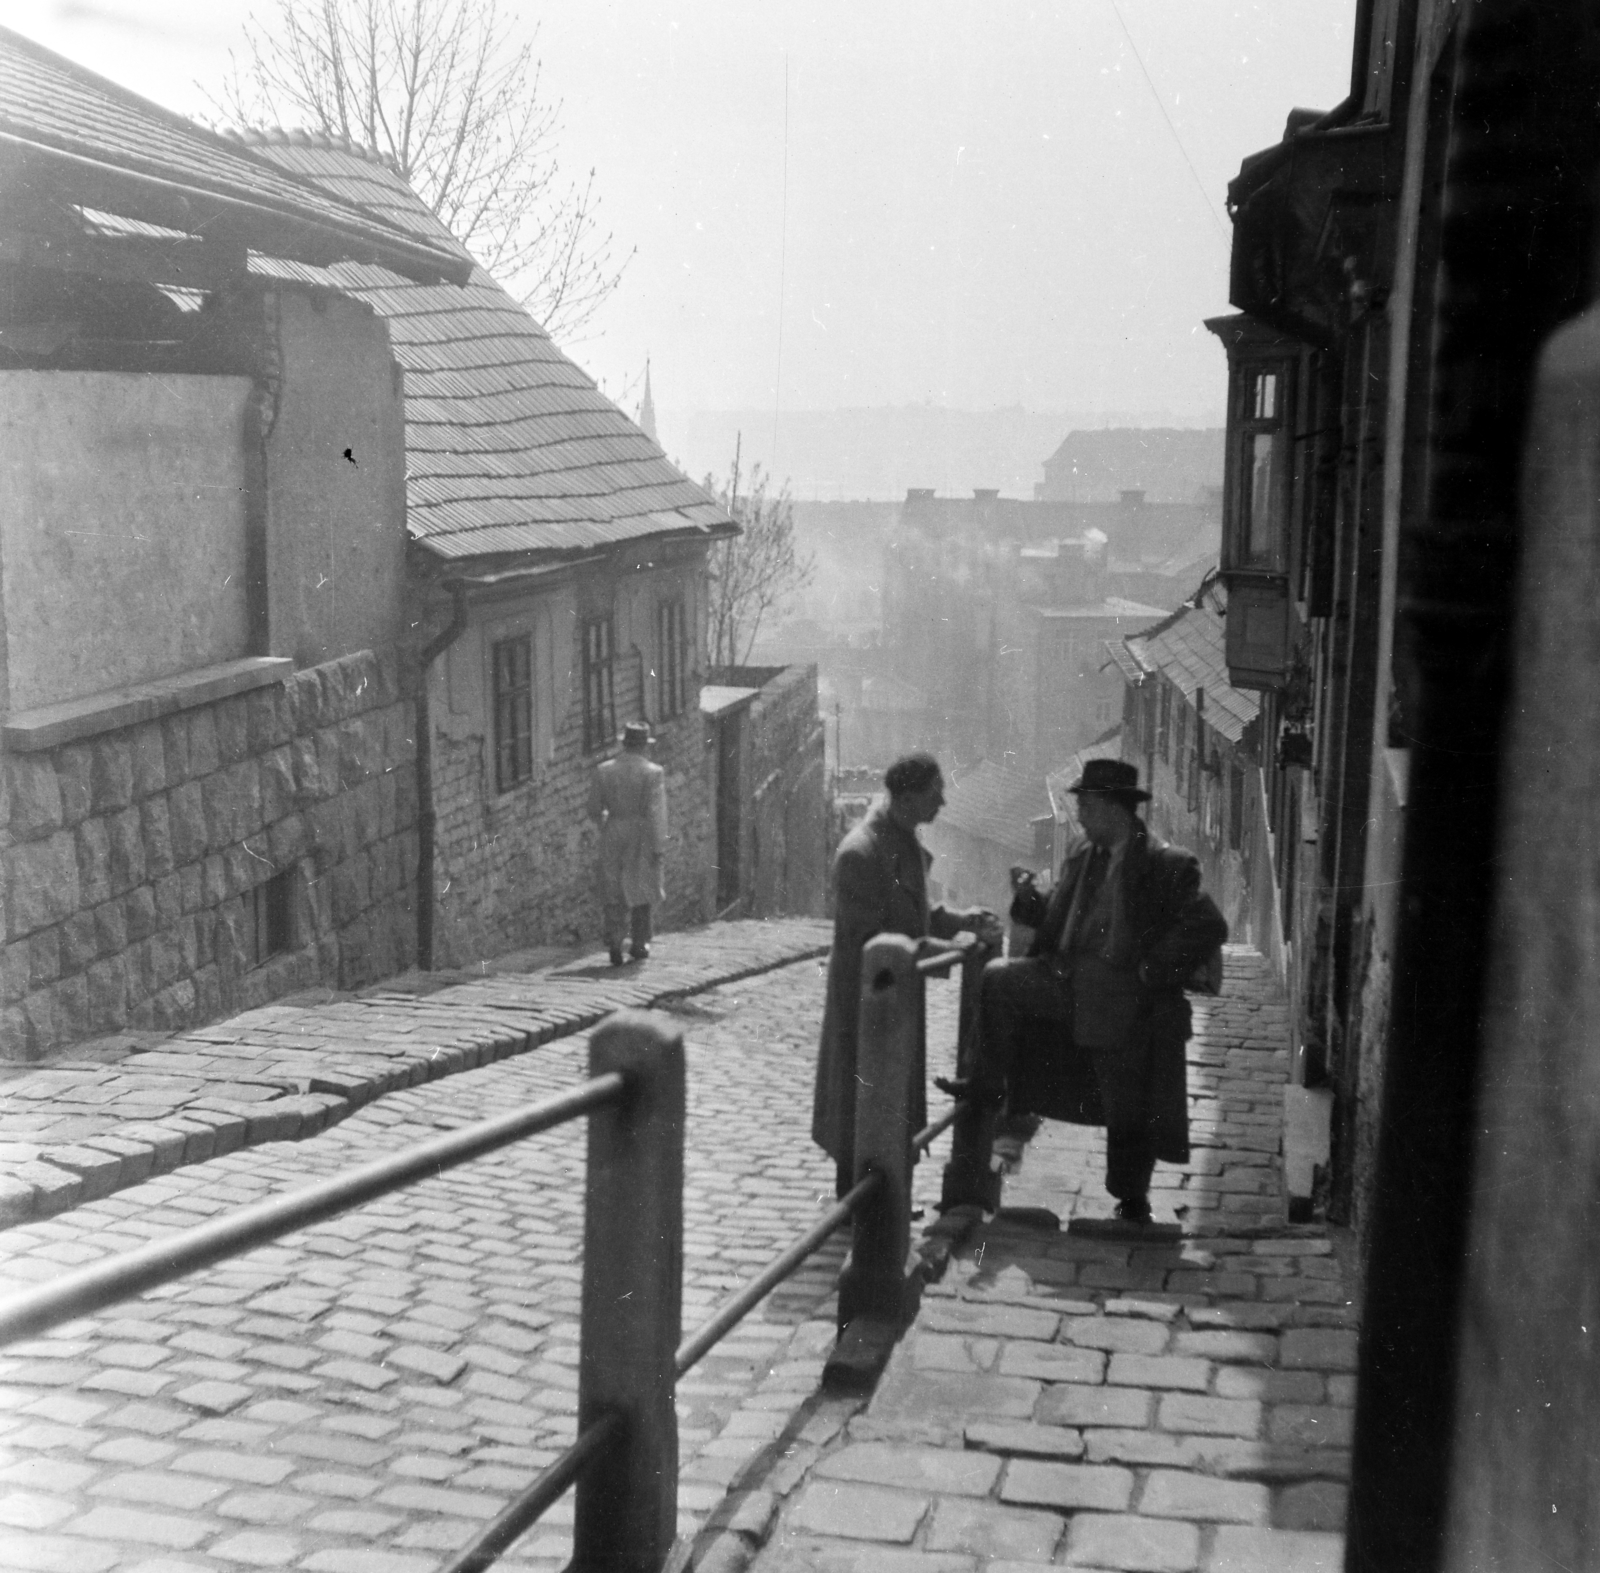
[626, 1510]
[120, 1277]
[737, 1306]
[544, 1491]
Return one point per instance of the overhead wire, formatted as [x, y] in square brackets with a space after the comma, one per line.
[1155, 93]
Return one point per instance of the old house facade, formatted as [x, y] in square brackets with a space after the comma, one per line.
[207, 738]
[1409, 556]
[557, 572]
[1194, 738]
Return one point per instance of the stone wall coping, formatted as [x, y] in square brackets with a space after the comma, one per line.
[49, 726]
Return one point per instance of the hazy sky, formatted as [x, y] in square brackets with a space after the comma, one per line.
[984, 204]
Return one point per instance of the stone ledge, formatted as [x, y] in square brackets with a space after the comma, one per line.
[33, 731]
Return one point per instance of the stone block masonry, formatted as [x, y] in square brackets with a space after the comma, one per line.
[135, 863]
[519, 868]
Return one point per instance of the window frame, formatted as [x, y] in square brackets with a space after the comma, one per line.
[598, 635]
[512, 706]
[1248, 544]
[672, 650]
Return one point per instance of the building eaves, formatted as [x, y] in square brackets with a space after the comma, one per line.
[70, 136]
[510, 447]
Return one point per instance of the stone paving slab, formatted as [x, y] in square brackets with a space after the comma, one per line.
[80, 1128]
[1173, 1401]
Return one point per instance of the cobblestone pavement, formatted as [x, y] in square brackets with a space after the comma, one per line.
[362, 1396]
[116, 1111]
[1175, 1403]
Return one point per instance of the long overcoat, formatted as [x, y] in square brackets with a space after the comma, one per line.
[880, 887]
[1172, 927]
[628, 795]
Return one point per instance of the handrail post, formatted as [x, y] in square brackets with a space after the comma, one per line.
[626, 1506]
[888, 1059]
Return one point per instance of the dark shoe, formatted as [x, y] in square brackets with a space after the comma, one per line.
[965, 1090]
[616, 955]
[1135, 1210]
[641, 952]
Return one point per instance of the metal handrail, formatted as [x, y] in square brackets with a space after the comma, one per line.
[738, 1305]
[119, 1277]
[526, 1510]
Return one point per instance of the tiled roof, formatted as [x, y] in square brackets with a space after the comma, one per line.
[1113, 606]
[510, 447]
[1188, 648]
[996, 804]
[76, 136]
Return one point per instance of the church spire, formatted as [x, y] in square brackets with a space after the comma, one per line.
[647, 407]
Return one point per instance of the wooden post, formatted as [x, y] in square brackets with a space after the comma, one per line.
[626, 1508]
[888, 1054]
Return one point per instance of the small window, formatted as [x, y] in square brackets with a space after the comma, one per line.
[513, 712]
[269, 918]
[599, 687]
[670, 653]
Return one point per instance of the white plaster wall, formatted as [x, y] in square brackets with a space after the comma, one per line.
[122, 540]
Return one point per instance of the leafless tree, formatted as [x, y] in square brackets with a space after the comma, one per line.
[442, 88]
[754, 572]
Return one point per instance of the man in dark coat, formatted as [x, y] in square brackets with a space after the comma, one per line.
[880, 887]
[1090, 1025]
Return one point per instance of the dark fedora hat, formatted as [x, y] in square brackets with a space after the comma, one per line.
[636, 734]
[1112, 777]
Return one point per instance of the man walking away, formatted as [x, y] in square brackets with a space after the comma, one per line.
[1090, 1025]
[880, 887]
[628, 798]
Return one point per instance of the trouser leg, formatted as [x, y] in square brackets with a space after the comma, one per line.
[640, 925]
[616, 923]
[1016, 996]
[1129, 1163]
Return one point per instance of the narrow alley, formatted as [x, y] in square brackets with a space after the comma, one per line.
[362, 1396]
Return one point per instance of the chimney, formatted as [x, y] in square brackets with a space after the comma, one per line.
[1132, 497]
[919, 494]
[985, 493]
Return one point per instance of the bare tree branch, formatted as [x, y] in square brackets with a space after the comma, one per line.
[441, 87]
[755, 572]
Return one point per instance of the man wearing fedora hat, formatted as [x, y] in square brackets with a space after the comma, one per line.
[628, 797]
[1090, 1025]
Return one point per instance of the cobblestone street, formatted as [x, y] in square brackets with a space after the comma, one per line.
[1175, 1402]
[361, 1397]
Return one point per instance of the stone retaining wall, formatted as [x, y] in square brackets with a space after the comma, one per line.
[130, 860]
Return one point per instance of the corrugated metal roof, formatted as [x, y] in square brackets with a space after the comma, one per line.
[510, 447]
[1188, 647]
[89, 141]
